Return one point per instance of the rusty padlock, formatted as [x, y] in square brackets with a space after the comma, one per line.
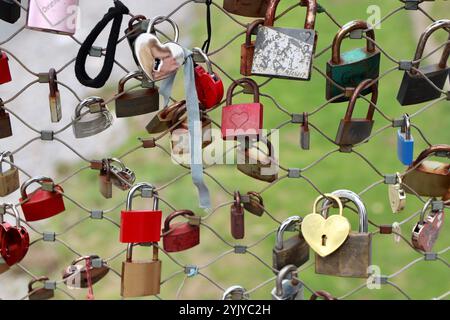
[237, 217]
[247, 8]
[41, 293]
[140, 278]
[429, 178]
[323, 295]
[248, 48]
[54, 97]
[180, 236]
[255, 203]
[294, 250]
[162, 121]
[5, 122]
[9, 179]
[354, 256]
[352, 131]
[426, 232]
[136, 102]
[76, 275]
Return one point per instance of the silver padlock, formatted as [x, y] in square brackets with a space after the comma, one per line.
[122, 177]
[288, 287]
[397, 196]
[235, 293]
[97, 120]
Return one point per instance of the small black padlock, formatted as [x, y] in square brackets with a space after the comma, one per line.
[9, 10]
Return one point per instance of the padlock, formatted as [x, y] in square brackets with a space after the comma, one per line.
[247, 8]
[416, 87]
[122, 177]
[44, 202]
[354, 256]
[15, 240]
[350, 68]
[5, 122]
[405, 142]
[282, 52]
[426, 232]
[5, 73]
[288, 287]
[235, 293]
[325, 235]
[248, 48]
[140, 278]
[136, 26]
[429, 178]
[258, 163]
[397, 195]
[136, 102]
[41, 293]
[352, 131]
[76, 275]
[54, 97]
[9, 180]
[323, 295]
[9, 10]
[208, 83]
[162, 121]
[255, 205]
[53, 16]
[97, 120]
[158, 61]
[105, 183]
[242, 119]
[293, 251]
[304, 133]
[141, 226]
[4, 227]
[180, 236]
[237, 217]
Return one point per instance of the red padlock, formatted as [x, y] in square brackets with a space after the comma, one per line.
[15, 241]
[242, 119]
[141, 226]
[5, 74]
[209, 85]
[45, 202]
[180, 236]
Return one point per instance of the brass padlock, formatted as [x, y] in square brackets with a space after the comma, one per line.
[97, 120]
[162, 121]
[354, 256]
[136, 102]
[257, 163]
[140, 278]
[429, 178]
[294, 250]
[39, 293]
[77, 275]
[5, 122]
[255, 204]
[9, 180]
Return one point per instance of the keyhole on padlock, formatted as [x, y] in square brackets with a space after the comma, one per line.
[324, 240]
[158, 64]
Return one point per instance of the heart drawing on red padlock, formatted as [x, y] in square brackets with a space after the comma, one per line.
[239, 119]
[14, 241]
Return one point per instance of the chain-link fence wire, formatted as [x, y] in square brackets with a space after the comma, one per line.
[190, 270]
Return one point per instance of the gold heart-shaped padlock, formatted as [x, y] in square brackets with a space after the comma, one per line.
[325, 236]
[158, 60]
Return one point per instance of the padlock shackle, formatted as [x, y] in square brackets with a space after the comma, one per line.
[256, 195]
[129, 255]
[322, 294]
[242, 81]
[439, 24]
[205, 58]
[429, 152]
[250, 29]
[232, 290]
[425, 209]
[351, 105]
[26, 184]
[139, 187]
[174, 215]
[33, 281]
[328, 196]
[15, 213]
[347, 29]
[86, 103]
[160, 19]
[84, 258]
[139, 18]
[168, 110]
[286, 224]
[131, 75]
[283, 275]
[4, 154]
[406, 129]
[353, 197]
[311, 12]
[111, 161]
[52, 83]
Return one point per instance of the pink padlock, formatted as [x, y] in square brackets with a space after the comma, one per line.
[55, 16]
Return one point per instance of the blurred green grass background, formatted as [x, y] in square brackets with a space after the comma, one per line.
[288, 197]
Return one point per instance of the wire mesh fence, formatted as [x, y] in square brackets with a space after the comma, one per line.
[186, 267]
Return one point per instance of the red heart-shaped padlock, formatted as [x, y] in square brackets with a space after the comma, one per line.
[15, 241]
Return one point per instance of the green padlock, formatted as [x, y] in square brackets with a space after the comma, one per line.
[352, 67]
